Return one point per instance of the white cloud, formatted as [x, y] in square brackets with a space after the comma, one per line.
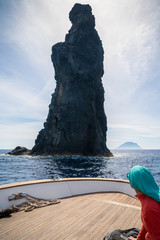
[17, 100]
[36, 26]
[147, 136]
[21, 134]
[131, 44]
[142, 130]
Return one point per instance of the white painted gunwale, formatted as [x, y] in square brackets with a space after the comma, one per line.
[66, 187]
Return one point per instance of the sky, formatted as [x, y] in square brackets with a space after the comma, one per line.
[130, 34]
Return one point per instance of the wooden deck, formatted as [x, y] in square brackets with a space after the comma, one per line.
[83, 217]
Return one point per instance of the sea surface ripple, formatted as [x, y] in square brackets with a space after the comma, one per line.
[27, 168]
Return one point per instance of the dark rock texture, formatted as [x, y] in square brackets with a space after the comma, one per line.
[20, 151]
[76, 123]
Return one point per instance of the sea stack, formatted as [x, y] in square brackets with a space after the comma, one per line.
[76, 122]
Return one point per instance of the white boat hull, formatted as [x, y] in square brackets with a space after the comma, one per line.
[55, 189]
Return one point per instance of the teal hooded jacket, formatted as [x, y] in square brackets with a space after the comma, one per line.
[141, 179]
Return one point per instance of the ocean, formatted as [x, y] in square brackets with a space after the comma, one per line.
[27, 168]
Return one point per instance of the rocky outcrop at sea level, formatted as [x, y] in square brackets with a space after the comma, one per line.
[19, 151]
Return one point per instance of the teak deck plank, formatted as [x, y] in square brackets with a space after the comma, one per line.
[82, 217]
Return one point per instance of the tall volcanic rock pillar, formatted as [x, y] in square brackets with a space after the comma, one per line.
[76, 122]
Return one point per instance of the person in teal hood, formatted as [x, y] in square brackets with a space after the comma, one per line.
[147, 191]
[141, 179]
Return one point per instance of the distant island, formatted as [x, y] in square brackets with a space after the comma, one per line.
[129, 146]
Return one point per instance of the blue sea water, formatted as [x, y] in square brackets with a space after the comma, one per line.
[26, 168]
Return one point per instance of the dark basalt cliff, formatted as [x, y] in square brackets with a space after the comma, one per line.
[76, 122]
